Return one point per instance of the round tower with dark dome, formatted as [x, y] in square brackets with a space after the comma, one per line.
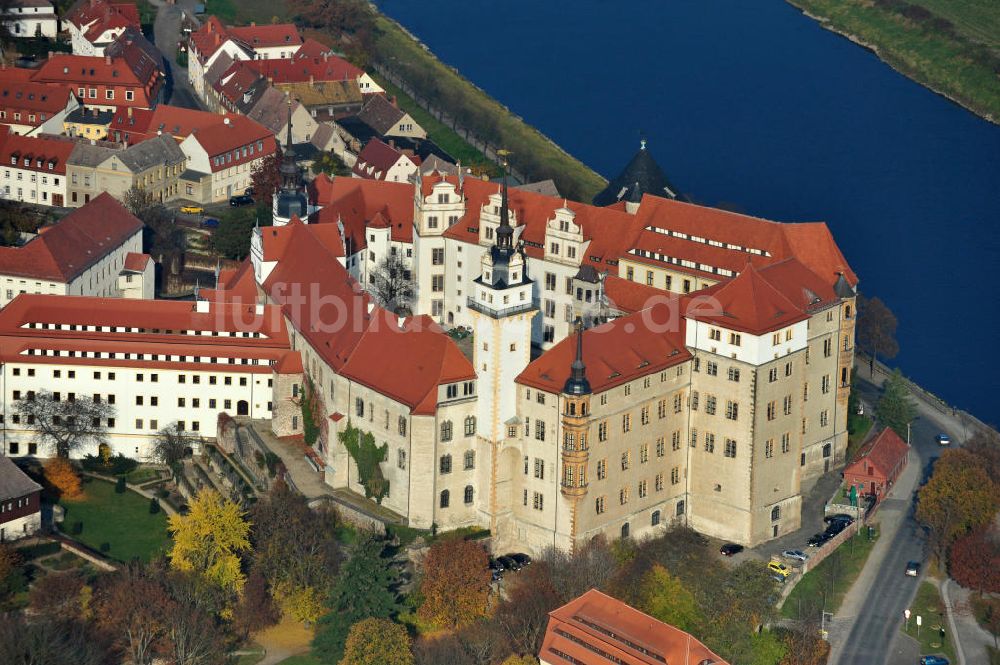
[641, 176]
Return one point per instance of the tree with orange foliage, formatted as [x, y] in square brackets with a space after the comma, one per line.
[974, 561]
[456, 584]
[60, 475]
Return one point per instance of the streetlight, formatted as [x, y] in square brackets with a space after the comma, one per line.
[906, 615]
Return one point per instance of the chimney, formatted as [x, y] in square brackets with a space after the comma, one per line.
[311, 79]
[107, 60]
[253, 24]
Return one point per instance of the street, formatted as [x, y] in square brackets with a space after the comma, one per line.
[166, 33]
[873, 628]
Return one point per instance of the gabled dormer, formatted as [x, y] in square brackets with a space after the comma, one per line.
[564, 241]
[489, 219]
[438, 207]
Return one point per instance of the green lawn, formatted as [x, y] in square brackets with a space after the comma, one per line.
[827, 584]
[302, 659]
[121, 520]
[929, 606]
[960, 61]
[242, 12]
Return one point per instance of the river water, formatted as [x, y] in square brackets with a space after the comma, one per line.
[753, 106]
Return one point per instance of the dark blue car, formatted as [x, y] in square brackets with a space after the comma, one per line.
[210, 223]
[933, 660]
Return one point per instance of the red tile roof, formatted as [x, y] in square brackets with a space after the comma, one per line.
[80, 239]
[207, 39]
[375, 160]
[18, 95]
[748, 303]
[267, 34]
[884, 452]
[138, 73]
[102, 15]
[596, 628]
[40, 152]
[136, 262]
[228, 135]
[628, 296]
[306, 66]
[358, 202]
[177, 121]
[616, 352]
[312, 48]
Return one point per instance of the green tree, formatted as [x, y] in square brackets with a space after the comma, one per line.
[377, 642]
[365, 588]
[667, 599]
[876, 329]
[895, 407]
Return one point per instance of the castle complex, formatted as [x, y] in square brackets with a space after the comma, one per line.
[631, 365]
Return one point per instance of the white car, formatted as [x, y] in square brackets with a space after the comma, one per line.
[795, 555]
[943, 439]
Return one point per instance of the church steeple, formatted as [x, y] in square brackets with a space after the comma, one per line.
[505, 232]
[577, 383]
[289, 170]
[289, 199]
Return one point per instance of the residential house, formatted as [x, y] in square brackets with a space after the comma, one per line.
[381, 161]
[326, 100]
[106, 82]
[269, 41]
[596, 628]
[20, 498]
[154, 165]
[31, 18]
[81, 254]
[271, 110]
[388, 120]
[137, 125]
[34, 169]
[315, 63]
[137, 280]
[877, 466]
[94, 24]
[222, 156]
[81, 171]
[87, 123]
[27, 107]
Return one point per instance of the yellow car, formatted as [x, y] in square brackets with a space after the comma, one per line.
[779, 568]
[192, 210]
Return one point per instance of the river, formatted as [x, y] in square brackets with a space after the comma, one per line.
[753, 106]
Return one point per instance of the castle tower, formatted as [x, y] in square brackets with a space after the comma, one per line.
[290, 199]
[575, 447]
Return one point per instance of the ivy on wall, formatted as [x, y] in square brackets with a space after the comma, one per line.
[362, 449]
[309, 404]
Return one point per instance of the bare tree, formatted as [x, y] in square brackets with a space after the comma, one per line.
[876, 331]
[391, 285]
[137, 612]
[170, 445]
[139, 201]
[66, 421]
[43, 641]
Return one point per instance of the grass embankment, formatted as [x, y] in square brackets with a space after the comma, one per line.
[930, 608]
[827, 584]
[951, 46]
[243, 12]
[122, 521]
[532, 152]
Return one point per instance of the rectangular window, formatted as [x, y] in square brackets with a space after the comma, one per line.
[539, 468]
[602, 469]
[730, 448]
[675, 475]
[732, 410]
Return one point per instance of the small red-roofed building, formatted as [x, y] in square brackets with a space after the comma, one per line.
[34, 169]
[315, 63]
[222, 156]
[81, 254]
[877, 466]
[94, 24]
[137, 278]
[381, 161]
[132, 79]
[27, 107]
[596, 628]
[31, 18]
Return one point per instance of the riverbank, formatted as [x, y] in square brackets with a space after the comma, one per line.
[941, 44]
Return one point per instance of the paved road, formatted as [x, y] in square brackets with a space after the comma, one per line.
[874, 636]
[166, 33]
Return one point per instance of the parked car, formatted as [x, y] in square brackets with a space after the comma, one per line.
[795, 555]
[835, 527]
[248, 191]
[818, 540]
[912, 568]
[521, 559]
[240, 200]
[192, 210]
[934, 660]
[496, 570]
[943, 439]
[210, 223]
[839, 517]
[779, 568]
[508, 563]
[779, 579]
[730, 549]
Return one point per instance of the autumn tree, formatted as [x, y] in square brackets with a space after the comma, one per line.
[974, 561]
[135, 611]
[523, 613]
[895, 407]
[295, 549]
[987, 611]
[391, 284]
[41, 641]
[62, 477]
[456, 583]
[520, 660]
[377, 642]
[985, 444]
[366, 587]
[12, 579]
[589, 567]
[959, 497]
[666, 598]
[170, 445]
[66, 422]
[265, 177]
[256, 609]
[208, 541]
[876, 329]
[61, 597]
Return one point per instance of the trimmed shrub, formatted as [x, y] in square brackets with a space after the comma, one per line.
[154, 506]
[105, 548]
[120, 485]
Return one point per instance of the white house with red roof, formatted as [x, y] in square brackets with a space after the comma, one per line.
[81, 254]
[137, 279]
[94, 24]
[381, 161]
[31, 18]
[27, 107]
[34, 169]
[315, 63]
[222, 156]
[105, 82]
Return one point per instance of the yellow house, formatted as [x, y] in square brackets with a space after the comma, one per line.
[88, 123]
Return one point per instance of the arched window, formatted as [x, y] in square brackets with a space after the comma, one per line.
[445, 498]
[446, 430]
[655, 518]
[470, 460]
[470, 426]
[468, 494]
[625, 530]
[680, 508]
[445, 465]
[776, 513]
[847, 311]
